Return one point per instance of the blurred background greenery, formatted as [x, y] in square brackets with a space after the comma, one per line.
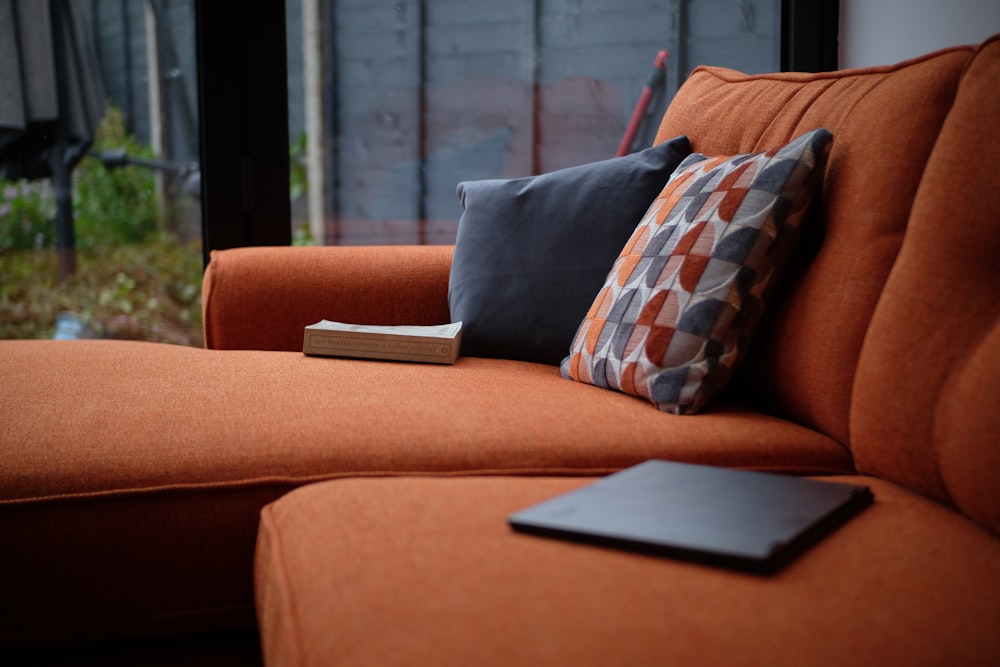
[138, 276]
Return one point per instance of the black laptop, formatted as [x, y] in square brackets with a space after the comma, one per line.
[751, 521]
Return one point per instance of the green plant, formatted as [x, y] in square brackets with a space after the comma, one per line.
[110, 206]
[298, 185]
[27, 210]
[114, 205]
[149, 291]
[133, 279]
[298, 180]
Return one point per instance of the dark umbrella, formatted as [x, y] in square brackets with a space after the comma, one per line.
[51, 100]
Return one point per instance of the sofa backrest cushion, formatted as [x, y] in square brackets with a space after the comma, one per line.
[926, 410]
[884, 121]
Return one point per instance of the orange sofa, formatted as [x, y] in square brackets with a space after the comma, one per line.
[354, 511]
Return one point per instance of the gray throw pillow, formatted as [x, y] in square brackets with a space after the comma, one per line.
[531, 253]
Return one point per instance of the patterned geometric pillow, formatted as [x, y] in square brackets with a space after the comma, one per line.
[684, 297]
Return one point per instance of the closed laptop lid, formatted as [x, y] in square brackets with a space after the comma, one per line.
[735, 518]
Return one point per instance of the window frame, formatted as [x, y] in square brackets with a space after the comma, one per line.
[810, 33]
[243, 107]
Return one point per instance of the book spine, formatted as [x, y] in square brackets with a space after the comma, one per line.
[393, 349]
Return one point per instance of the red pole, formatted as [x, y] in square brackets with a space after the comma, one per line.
[655, 81]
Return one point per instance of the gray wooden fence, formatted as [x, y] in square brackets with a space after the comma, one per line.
[421, 94]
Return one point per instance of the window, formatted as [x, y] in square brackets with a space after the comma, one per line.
[392, 150]
[393, 102]
[100, 229]
[371, 110]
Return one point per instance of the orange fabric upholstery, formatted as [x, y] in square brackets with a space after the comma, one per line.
[153, 416]
[884, 121]
[262, 298]
[928, 386]
[420, 570]
[426, 572]
[133, 473]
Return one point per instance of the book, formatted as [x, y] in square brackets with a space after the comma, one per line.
[436, 344]
[752, 521]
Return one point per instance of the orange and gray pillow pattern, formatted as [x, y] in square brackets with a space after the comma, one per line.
[681, 302]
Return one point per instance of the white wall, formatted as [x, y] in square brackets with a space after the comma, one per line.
[882, 32]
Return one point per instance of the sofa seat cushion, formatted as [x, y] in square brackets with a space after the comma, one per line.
[423, 571]
[133, 473]
[125, 417]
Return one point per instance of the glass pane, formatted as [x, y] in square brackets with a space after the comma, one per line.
[100, 231]
[393, 102]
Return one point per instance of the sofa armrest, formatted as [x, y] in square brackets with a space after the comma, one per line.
[262, 298]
